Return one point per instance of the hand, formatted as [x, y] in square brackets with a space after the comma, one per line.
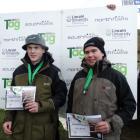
[7, 127]
[32, 106]
[111, 6]
[103, 127]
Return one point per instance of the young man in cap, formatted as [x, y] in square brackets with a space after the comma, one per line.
[39, 119]
[99, 89]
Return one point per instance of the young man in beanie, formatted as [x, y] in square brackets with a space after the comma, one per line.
[99, 89]
[39, 119]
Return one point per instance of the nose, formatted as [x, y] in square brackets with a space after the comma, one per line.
[90, 54]
[32, 50]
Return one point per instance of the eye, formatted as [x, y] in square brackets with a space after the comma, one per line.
[36, 48]
[86, 52]
[94, 50]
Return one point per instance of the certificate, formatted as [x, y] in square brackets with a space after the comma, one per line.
[16, 96]
[78, 126]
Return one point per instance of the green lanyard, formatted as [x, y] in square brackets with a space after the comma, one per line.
[32, 75]
[88, 80]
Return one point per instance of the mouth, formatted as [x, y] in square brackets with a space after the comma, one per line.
[92, 60]
[33, 55]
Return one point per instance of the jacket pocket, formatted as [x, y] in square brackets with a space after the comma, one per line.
[37, 132]
[50, 132]
[43, 132]
[18, 132]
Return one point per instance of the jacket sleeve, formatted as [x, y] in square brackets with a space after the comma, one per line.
[70, 97]
[125, 102]
[9, 115]
[59, 92]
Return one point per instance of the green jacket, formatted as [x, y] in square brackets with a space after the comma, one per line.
[51, 94]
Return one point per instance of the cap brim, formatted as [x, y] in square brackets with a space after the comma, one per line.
[24, 47]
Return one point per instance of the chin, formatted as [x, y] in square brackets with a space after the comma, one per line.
[33, 61]
[91, 64]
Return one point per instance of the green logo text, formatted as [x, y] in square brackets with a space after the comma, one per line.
[121, 68]
[49, 37]
[76, 52]
[12, 24]
[7, 82]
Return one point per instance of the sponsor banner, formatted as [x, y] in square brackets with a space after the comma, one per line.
[127, 2]
[119, 30]
[130, 2]
[4, 82]
[65, 32]
[15, 28]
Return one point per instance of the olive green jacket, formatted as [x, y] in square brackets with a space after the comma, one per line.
[50, 94]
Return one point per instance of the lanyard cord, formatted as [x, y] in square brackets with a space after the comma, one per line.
[88, 80]
[32, 75]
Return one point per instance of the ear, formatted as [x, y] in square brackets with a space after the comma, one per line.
[103, 55]
[44, 51]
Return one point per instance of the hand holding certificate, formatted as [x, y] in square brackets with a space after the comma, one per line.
[78, 126]
[16, 96]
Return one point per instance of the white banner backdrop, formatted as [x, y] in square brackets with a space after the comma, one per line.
[119, 30]
[14, 28]
[65, 33]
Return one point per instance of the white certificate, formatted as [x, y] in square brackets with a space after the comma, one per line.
[78, 126]
[17, 95]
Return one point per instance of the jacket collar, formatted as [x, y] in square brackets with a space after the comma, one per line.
[98, 67]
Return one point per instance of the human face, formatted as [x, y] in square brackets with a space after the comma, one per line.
[92, 54]
[35, 53]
